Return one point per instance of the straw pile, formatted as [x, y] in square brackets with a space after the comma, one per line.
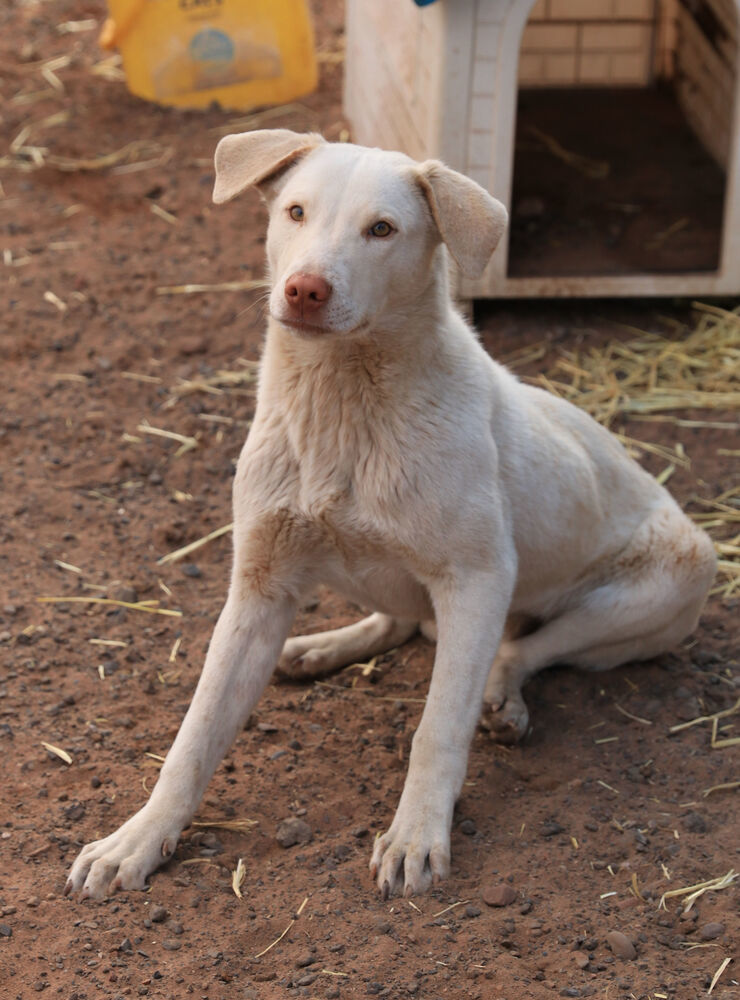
[651, 374]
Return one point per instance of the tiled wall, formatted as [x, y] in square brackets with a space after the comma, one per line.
[588, 43]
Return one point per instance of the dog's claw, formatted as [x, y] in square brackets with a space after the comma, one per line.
[386, 891]
[68, 887]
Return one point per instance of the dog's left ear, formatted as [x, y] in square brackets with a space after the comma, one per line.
[469, 220]
[256, 157]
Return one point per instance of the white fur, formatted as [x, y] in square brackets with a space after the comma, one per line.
[391, 458]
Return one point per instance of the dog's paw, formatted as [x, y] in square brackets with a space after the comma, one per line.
[122, 860]
[411, 856]
[507, 722]
[301, 660]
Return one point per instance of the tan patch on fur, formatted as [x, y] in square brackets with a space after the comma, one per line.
[272, 552]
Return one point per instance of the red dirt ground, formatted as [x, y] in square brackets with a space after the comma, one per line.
[590, 801]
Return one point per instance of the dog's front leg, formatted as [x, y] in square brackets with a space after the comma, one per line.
[470, 611]
[243, 652]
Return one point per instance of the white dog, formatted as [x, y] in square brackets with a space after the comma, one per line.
[392, 459]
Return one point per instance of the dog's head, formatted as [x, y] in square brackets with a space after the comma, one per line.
[354, 233]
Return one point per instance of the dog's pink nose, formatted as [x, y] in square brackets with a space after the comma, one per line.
[306, 293]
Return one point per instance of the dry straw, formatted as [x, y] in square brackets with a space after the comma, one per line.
[277, 940]
[57, 751]
[651, 374]
[693, 892]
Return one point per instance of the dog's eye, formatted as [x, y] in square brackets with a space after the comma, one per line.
[296, 213]
[381, 229]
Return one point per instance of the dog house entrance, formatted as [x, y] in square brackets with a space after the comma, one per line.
[623, 130]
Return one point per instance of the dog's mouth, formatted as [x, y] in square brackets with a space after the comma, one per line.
[308, 329]
[311, 330]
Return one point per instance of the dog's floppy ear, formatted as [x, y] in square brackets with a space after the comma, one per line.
[469, 220]
[253, 157]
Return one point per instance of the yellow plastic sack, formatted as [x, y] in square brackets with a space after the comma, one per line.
[241, 53]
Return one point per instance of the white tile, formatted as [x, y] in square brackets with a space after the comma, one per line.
[549, 37]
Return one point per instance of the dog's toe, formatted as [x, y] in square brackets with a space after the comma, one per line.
[507, 723]
[124, 859]
[408, 860]
[298, 662]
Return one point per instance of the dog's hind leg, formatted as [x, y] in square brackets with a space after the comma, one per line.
[637, 615]
[324, 652]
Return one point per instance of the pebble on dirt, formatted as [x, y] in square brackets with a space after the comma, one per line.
[711, 931]
[695, 823]
[621, 945]
[157, 914]
[293, 831]
[550, 828]
[499, 895]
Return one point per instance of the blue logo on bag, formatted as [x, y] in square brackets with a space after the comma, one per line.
[210, 45]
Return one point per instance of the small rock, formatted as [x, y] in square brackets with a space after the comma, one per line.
[126, 945]
[621, 945]
[581, 959]
[467, 827]
[171, 944]
[176, 928]
[127, 594]
[711, 931]
[157, 914]
[550, 828]
[6, 930]
[266, 727]
[32, 901]
[360, 832]
[194, 344]
[293, 831]
[499, 895]
[304, 960]
[695, 823]
[570, 991]
[192, 569]
[307, 979]
[472, 911]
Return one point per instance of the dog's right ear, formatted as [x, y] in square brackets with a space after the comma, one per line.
[256, 157]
